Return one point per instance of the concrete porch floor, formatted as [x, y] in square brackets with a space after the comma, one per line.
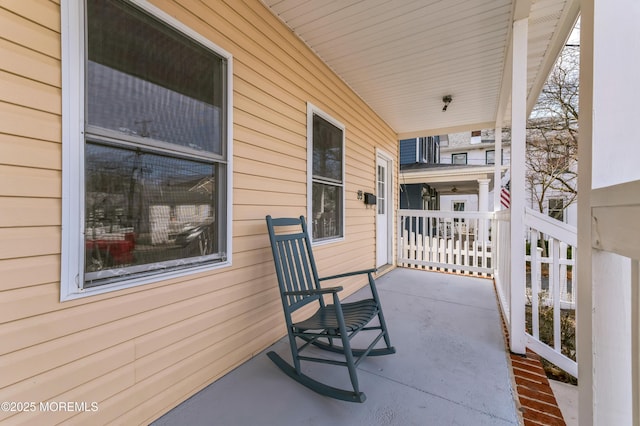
[451, 368]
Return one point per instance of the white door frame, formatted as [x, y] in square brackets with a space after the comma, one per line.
[382, 156]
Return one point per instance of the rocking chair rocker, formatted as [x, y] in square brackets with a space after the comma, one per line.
[300, 285]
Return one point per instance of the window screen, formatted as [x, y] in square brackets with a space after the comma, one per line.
[154, 156]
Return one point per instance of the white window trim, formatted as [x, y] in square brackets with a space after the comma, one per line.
[73, 87]
[311, 110]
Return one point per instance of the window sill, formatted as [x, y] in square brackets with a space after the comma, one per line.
[74, 293]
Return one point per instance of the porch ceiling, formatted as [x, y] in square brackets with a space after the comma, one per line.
[403, 56]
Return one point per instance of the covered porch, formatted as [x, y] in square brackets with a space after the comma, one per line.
[451, 367]
[146, 349]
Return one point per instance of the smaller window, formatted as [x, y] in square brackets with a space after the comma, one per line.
[476, 137]
[458, 206]
[556, 208]
[490, 157]
[459, 158]
[326, 167]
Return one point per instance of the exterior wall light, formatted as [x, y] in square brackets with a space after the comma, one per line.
[447, 100]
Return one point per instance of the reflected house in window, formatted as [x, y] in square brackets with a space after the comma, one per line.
[168, 215]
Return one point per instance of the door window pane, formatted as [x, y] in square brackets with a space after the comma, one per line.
[381, 190]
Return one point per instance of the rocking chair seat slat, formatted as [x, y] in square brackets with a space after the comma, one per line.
[356, 316]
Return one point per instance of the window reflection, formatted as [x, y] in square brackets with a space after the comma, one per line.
[154, 157]
[327, 150]
[135, 107]
[327, 211]
[146, 211]
[327, 184]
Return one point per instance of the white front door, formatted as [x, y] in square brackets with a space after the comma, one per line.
[384, 195]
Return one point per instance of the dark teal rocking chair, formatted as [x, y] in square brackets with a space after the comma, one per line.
[340, 322]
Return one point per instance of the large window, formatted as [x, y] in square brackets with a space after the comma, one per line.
[152, 170]
[326, 164]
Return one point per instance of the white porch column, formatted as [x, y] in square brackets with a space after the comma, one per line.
[518, 138]
[584, 315]
[483, 195]
[497, 171]
[483, 206]
[609, 202]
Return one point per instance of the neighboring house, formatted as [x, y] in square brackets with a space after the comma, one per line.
[555, 204]
[447, 172]
[476, 148]
[449, 166]
[551, 175]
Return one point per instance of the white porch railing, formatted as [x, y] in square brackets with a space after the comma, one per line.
[501, 234]
[480, 243]
[445, 241]
[551, 286]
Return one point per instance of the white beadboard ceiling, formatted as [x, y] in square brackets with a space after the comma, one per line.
[403, 56]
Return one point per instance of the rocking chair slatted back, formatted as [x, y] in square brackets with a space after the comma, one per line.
[297, 270]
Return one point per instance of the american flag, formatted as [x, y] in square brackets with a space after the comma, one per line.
[505, 196]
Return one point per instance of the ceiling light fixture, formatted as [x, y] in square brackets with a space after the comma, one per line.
[447, 100]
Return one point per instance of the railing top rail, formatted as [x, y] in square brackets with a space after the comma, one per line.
[445, 214]
[503, 215]
[551, 227]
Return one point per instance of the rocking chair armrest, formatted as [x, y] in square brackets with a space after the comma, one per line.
[372, 282]
[348, 274]
[313, 292]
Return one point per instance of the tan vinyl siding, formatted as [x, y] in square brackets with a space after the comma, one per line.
[139, 352]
